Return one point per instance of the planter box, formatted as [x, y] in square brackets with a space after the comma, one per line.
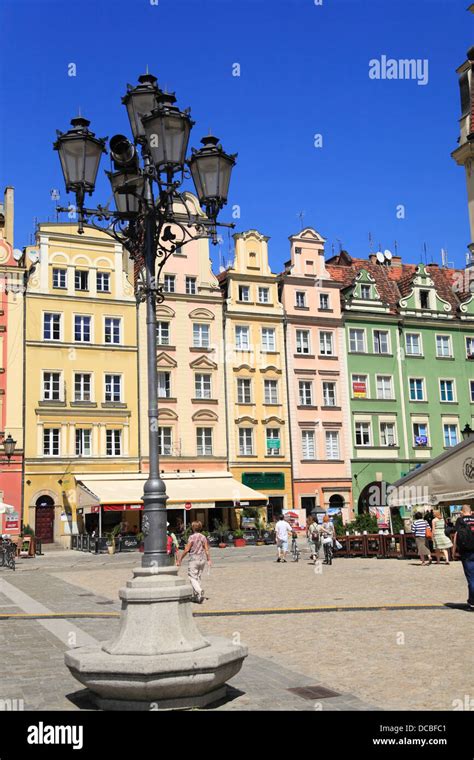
[239, 542]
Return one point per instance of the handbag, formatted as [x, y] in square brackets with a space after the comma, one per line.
[429, 533]
[338, 545]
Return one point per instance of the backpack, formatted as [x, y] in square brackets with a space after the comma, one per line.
[465, 535]
[170, 547]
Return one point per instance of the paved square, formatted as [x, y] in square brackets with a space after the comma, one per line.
[383, 658]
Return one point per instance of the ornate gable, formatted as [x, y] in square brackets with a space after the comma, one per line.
[363, 294]
[422, 298]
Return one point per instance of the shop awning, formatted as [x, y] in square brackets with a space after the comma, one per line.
[202, 490]
[446, 479]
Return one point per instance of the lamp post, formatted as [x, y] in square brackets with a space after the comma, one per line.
[467, 431]
[152, 219]
[8, 446]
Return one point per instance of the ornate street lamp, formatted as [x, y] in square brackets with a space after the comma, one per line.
[211, 168]
[9, 446]
[167, 131]
[467, 431]
[141, 100]
[150, 223]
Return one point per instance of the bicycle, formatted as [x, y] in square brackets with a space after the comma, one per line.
[328, 552]
[295, 552]
[7, 553]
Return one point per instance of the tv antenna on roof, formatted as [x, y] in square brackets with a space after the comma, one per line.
[300, 216]
[370, 242]
[444, 259]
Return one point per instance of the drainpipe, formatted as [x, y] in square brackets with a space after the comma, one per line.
[290, 437]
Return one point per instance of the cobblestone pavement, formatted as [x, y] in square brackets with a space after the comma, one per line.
[375, 659]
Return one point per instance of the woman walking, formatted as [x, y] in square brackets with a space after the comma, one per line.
[419, 528]
[312, 534]
[328, 536]
[198, 550]
[441, 542]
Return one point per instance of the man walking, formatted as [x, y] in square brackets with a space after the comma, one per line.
[283, 531]
[463, 546]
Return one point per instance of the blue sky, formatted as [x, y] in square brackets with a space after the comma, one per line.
[303, 71]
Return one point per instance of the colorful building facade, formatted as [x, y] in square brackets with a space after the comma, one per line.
[317, 383]
[409, 341]
[81, 389]
[11, 356]
[258, 435]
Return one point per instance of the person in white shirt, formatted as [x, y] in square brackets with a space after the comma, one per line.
[283, 531]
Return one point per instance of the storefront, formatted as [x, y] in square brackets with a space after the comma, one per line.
[105, 501]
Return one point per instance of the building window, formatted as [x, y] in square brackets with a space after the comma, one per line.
[447, 390]
[300, 299]
[271, 391]
[387, 434]
[263, 295]
[164, 384]
[113, 443]
[362, 433]
[425, 299]
[326, 343]
[204, 441]
[417, 389]
[163, 333]
[82, 329]
[357, 341]
[103, 282]
[302, 341]
[332, 444]
[242, 342]
[82, 386]
[305, 393]
[112, 330]
[164, 441]
[51, 442]
[191, 289]
[413, 344]
[202, 386]
[244, 390]
[450, 433]
[245, 441]
[307, 444]
[381, 343]
[470, 348]
[443, 345]
[201, 336]
[323, 301]
[60, 278]
[169, 283]
[244, 293]
[365, 292]
[420, 434]
[268, 339]
[329, 394]
[81, 279]
[83, 442]
[471, 387]
[273, 442]
[113, 388]
[384, 387]
[51, 326]
[51, 386]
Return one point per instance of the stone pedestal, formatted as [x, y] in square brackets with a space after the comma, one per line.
[159, 659]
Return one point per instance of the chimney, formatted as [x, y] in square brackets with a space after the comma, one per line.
[9, 212]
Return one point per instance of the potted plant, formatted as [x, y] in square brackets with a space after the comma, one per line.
[222, 529]
[239, 539]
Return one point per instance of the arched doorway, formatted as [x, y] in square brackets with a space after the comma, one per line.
[336, 501]
[44, 519]
[373, 495]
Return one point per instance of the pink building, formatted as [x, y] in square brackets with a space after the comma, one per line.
[11, 356]
[317, 383]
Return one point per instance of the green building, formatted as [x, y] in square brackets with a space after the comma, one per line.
[409, 333]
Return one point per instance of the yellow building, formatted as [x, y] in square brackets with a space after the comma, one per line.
[81, 390]
[257, 402]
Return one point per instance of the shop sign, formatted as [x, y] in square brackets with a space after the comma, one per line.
[359, 390]
[188, 506]
[273, 443]
[264, 480]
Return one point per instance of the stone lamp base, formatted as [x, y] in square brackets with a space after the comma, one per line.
[159, 659]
